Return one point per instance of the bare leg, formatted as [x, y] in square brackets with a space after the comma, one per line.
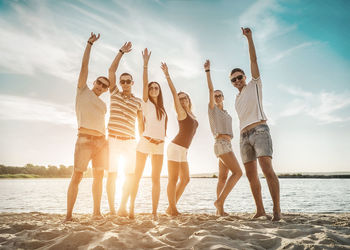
[273, 183]
[157, 164]
[72, 193]
[97, 191]
[173, 175]
[223, 171]
[140, 166]
[255, 187]
[110, 186]
[229, 160]
[184, 180]
[125, 196]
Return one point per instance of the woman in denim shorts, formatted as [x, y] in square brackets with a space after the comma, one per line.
[221, 127]
[152, 140]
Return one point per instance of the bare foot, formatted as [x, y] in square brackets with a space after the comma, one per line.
[259, 215]
[131, 213]
[97, 217]
[225, 214]
[219, 208]
[122, 212]
[155, 217]
[276, 217]
[70, 219]
[172, 211]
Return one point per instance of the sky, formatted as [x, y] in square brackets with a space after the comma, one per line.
[303, 52]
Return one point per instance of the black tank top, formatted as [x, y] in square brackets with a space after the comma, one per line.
[187, 129]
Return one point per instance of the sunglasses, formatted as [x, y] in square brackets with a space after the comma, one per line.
[218, 96]
[155, 88]
[105, 86]
[240, 77]
[183, 98]
[125, 81]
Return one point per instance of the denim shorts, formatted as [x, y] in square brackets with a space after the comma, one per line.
[92, 148]
[222, 146]
[255, 143]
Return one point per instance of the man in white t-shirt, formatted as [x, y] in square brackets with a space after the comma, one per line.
[255, 138]
[91, 143]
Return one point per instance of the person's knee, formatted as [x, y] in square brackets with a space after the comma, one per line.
[239, 173]
[76, 178]
[155, 181]
[185, 180]
[222, 178]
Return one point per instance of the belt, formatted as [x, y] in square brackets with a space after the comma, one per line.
[91, 136]
[124, 138]
[252, 130]
[154, 141]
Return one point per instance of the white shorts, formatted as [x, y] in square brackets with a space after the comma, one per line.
[147, 147]
[177, 153]
[125, 149]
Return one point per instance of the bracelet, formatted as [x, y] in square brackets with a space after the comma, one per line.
[89, 42]
[207, 70]
[145, 67]
[121, 51]
[167, 76]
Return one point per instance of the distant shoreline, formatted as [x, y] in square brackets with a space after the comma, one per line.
[281, 176]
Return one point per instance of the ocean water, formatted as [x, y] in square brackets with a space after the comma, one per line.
[297, 196]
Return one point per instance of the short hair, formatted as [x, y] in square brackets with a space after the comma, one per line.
[126, 74]
[237, 70]
[104, 78]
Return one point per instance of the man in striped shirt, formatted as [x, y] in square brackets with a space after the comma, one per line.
[124, 108]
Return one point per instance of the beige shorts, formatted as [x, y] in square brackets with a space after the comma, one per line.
[147, 147]
[124, 152]
[177, 153]
[92, 148]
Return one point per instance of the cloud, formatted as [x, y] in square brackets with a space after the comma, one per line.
[323, 106]
[33, 41]
[29, 109]
[289, 51]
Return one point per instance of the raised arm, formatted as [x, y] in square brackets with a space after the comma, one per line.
[181, 113]
[253, 61]
[146, 57]
[85, 64]
[210, 84]
[114, 66]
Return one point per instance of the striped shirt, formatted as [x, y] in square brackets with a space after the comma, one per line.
[220, 121]
[123, 113]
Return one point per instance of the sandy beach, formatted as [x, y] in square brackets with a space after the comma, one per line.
[188, 231]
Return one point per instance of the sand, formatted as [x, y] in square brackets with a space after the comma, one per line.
[188, 231]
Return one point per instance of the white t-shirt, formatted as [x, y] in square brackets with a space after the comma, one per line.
[249, 104]
[154, 128]
[90, 110]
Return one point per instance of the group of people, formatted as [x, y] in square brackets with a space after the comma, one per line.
[152, 118]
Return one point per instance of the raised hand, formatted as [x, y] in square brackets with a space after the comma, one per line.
[164, 67]
[146, 55]
[93, 38]
[207, 65]
[126, 48]
[246, 32]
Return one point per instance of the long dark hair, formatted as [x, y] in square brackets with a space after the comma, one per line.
[159, 105]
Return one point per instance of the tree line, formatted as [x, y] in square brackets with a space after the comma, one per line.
[41, 171]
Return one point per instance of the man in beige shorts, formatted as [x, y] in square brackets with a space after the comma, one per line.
[91, 143]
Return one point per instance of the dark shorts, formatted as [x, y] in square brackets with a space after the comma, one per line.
[255, 143]
[88, 148]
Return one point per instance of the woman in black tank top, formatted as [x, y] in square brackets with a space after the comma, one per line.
[177, 149]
